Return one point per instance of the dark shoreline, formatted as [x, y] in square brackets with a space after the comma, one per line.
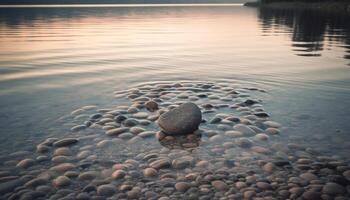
[343, 7]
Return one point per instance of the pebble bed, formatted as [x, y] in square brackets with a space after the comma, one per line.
[121, 153]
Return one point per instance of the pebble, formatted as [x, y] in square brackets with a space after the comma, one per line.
[36, 182]
[311, 195]
[219, 185]
[147, 134]
[249, 194]
[184, 119]
[61, 181]
[262, 137]
[150, 172]
[88, 176]
[106, 190]
[308, 176]
[272, 124]
[269, 167]
[65, 142]
[264, 185]
[234, 134]
[272, 131]
[244, 142]
[78, 128]
[118, 174]
[63, 167]
[161, 163]
[130, 122]
[183, 162]
[62, 151]
[333, 189]
[116, 131]
[246, 130]
[151, 106]
[182, 186]
[140, 115]
[26, 163]
[126, 136]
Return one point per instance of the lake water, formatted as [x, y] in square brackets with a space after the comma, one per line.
[54, 60]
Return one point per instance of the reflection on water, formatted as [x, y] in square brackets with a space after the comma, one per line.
[312, 31]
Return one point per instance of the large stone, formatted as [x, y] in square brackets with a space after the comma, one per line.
[184, 119]
[333, 189]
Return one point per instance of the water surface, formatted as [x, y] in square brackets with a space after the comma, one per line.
[56, 59]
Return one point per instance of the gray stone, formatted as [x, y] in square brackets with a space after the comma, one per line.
[246, 130]
[184, 119]
[106, 190]
[182, 186]
[219, 185]
[161, 163]
[116, 131]
[61, 181]
[25, 163]
[151, 105]
[150, 172]
[333, 189]
[65, 142]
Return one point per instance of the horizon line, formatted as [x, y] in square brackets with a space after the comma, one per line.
[120, 5]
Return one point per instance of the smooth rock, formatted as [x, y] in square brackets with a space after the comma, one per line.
[184, 119]
[116, 131]
[333, 189]
[106, 190]
[183, 162]
[26, 163]
[246, 130]
[161, 163]
[65, 142]
[219, 185]
[61, 181]
[182, 186]
[151, 106]
[150, 172]
[118, 174]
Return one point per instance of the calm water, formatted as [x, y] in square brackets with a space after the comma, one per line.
[55, 60]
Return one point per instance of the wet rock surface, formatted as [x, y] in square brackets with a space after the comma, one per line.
[182, 120]
[228, 148]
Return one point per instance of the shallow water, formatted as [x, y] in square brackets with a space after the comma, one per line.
[56, 60]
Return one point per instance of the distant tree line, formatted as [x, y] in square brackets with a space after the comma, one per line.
[311, 1]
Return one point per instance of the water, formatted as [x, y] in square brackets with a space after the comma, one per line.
[54, 60]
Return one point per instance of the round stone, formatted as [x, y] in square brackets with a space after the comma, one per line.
[263, 185]
[63, 167]
[116, 131]
[118, 174]
[246, 130]
[311, 195]
[244, 143]
[149, 172]
[61, 181]
[106, 190]
[184, 119]
[65, 142]
[182, 186]
[161, 163]
[183, 162]
[219, 185]
[333, 189]
[26, 163]
[262, 136]
[151, 106]
[308, 176]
